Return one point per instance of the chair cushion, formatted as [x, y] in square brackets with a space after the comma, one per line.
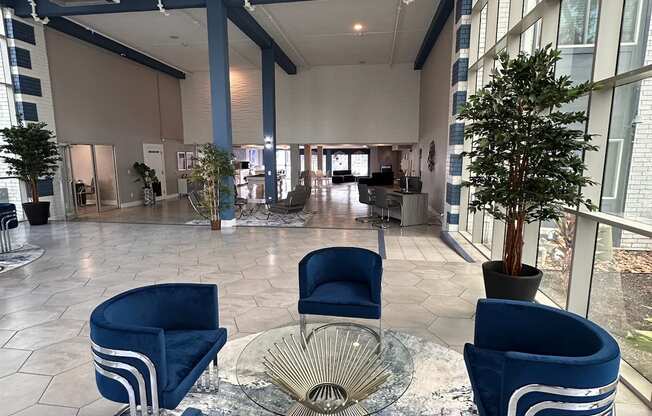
[184, 349]
[341, 298]
[485, 368]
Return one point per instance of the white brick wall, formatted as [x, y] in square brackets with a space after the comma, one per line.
[639, 189]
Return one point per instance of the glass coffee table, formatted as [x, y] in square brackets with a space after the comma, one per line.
[337, 369]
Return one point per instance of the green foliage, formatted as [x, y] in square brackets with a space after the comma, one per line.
[212, 167]
[526, 160]
[31, 153]
[147, 174]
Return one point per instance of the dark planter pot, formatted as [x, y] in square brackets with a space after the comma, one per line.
[499, 285]
[37, 212]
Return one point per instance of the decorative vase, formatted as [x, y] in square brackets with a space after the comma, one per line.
[148, 197]
[500, 285]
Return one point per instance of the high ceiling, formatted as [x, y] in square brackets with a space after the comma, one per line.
[312, 33]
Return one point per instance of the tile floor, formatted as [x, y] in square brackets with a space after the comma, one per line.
[45, 364]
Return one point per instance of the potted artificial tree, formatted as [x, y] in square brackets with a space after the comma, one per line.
[212, 168]
[526, 160]
[32, 154]
[148, 177]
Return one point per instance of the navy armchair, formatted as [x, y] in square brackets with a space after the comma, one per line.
[152, 343]
[530, 359]
[8, 221]
[340, 281]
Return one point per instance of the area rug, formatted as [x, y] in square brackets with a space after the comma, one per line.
[19, 257]
[274, 221]
[440, 386]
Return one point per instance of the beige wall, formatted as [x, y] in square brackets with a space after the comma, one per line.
[102, 98]
[325, 104]
[435, 93]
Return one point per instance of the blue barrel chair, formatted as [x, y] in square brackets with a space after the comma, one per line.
[529, 359]
[342, 282]
[8, 221]
[151, 344]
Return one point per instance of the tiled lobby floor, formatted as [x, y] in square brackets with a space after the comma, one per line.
[45, 365]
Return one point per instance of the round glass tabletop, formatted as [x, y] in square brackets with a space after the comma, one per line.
[336, 369]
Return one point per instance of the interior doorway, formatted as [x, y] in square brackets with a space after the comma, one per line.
[93, 177]
[154, 157]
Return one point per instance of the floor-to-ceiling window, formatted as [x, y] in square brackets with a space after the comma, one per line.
[596, 263]
[360, 164]
[340, 161]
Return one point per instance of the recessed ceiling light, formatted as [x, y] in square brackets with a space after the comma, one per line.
[358, 27]
[174, 37]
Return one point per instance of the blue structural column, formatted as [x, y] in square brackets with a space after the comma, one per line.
[269, 123]
[218, 58]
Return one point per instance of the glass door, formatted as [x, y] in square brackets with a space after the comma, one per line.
[105, 173]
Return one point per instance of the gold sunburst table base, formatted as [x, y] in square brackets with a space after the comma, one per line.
[301, 410]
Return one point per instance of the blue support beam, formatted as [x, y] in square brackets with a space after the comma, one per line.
[218, 57]
[436, 26]
[73, 29]
[247, 24]
[238, 15]
[269, 123]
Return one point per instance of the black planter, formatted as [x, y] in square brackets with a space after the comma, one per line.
[37, 212]
[499, 285]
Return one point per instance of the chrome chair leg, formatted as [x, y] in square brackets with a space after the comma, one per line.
[302, 326]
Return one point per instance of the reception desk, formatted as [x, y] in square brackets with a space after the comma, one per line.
[413, 210]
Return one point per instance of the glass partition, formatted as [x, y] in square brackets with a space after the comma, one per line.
[554, 257]
[531, 38]
[621, 293]
[634, 35]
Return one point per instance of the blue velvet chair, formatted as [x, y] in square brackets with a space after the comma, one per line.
[152, 343]
[340, 281]
[8, 221]
[529, 359]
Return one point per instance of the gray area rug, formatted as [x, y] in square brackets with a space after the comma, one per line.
[440, 386]
[19, 257]
[261, 221]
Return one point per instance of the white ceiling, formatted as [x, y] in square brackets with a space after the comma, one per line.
[317, 32]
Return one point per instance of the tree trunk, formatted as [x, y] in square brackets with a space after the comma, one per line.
[513, 254]
[34, 187]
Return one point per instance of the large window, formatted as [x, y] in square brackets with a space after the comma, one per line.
[482, 34]
[360, 164]
[634, 34]
[531, 38]
[613, 285]
[621, 293]
[554, 257]
[503, 18]
[627, 182]
[340, 161]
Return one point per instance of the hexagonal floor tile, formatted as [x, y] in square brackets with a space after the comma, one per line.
[60, 357]
[73, 388]
[45, 410]
[404, 294]
[19, 391]
[40, 336]
[400, 278]
[454, 331]
[247, 287]
[406, 316]
[30, 317]
[449, 307]
[261, 319]
[262, 272]
[73, 297]
[231, 306]
[101, 407]
[11, 360]
[278, 299]
[441, 287]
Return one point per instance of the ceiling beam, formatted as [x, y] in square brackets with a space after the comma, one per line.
[436, 26]
[237, 14]
[250, 27]
[80, 32]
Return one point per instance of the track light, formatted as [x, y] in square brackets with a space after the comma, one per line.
[35, 16]
[161, 8]
[247, 5]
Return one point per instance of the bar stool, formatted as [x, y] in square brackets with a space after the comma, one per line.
[385, 204]
[367, 198]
